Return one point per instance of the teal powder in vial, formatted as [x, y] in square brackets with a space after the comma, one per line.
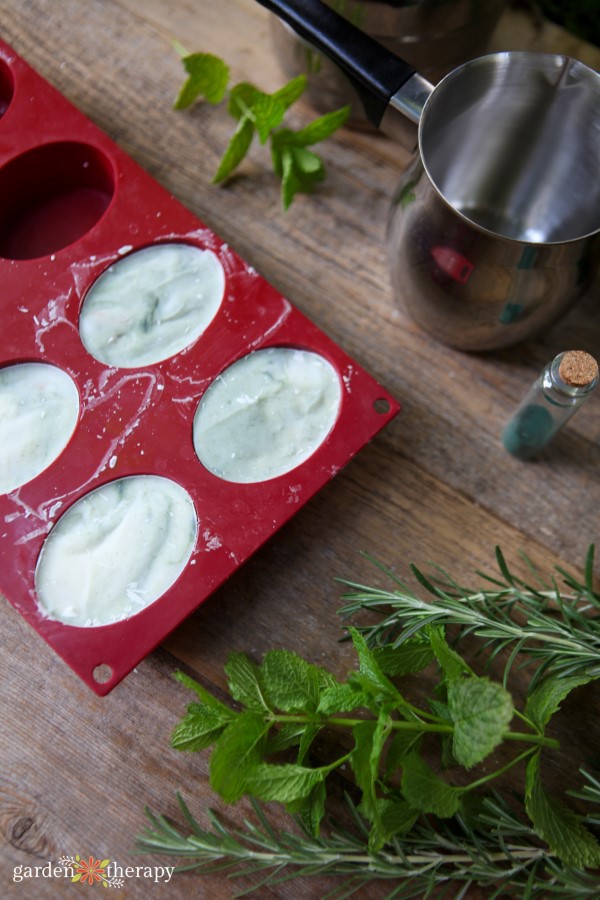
[554, 396]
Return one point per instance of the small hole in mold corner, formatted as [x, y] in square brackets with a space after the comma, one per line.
[6, 88]
[381, 406]
[102, 673]
[51, 196]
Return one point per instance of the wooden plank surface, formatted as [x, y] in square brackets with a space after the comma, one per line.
[76, 770]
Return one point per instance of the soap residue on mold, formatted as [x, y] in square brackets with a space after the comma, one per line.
[52, 317]
[116, 551]
[39, 408]
[151, 304]
[266, 414]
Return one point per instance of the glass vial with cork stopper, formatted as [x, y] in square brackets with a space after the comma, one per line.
[553, 398]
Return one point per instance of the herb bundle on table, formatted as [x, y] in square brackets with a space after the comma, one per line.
[258, 113]
[409, 823]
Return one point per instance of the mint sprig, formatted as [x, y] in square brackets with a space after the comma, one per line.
[423, 810]
[208, 77]
[260, 114]
[286, 702]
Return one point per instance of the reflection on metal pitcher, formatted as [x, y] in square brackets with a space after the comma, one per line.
[476, 291]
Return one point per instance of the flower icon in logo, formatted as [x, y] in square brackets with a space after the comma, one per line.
[90, 871]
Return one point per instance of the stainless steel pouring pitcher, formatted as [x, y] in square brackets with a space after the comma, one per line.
[494, 230]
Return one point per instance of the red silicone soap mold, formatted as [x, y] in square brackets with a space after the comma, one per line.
[73, 203]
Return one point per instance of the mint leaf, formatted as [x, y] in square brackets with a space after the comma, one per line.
[369, 738]
[411, 656]
[481, 711]
[245, 683]
[308, 737]
[290, 92]
[373, 678]
[447, 757]
[265, 110]
[241, 99]
[283, 784]
[316, 131]
[452, 665]
[292, 684]
[204, 695]
[277, 156]
[558, 825]
[208, 78]
[236, 150]
[440, 710]
[291, 184]
[309, 166]
[299, 170]
[289, 735]
[546, 698]
[402, 744]
[343, 698]
[200, 727]
[360, 758]
[395, 818]
[237, 751]
[425, 791]
[311, 809]
[267, 113]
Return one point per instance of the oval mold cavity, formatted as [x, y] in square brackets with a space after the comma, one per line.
[51, 197]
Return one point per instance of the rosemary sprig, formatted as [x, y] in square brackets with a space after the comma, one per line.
[557, 630]
[591, 794]
[490, 848]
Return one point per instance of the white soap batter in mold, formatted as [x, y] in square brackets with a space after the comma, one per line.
[116, 551]
[266, 414]
[39, 409]
[151, 304]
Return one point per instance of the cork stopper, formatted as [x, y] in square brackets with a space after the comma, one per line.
[578, 368]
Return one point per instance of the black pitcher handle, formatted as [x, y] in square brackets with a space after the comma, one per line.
[376, 73]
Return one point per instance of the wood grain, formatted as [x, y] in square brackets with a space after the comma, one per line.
[76, 770]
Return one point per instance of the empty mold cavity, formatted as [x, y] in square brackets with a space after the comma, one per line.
[151, 304]
[52, 196]
[6, 88]
[266, 414]
[39, 408]
[116, 551]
